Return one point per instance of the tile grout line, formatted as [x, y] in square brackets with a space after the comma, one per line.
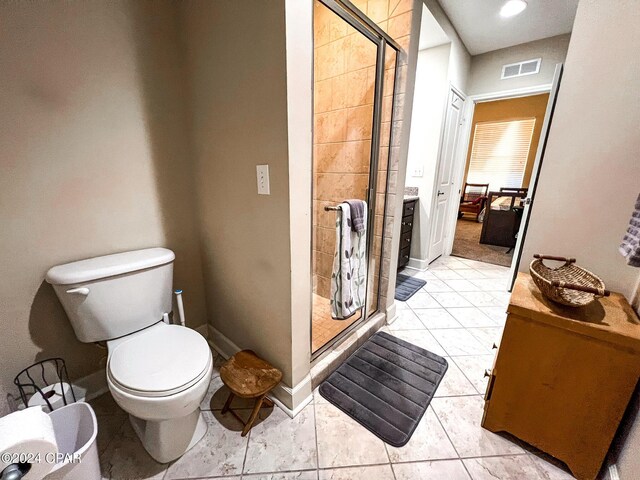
[452, 359]
[435, 413]
[452, 444]
[462, 371]
[436, 340]
[389, 458]
[445, 431]
[472, 384]
[355, 465]
[315, 432]
[367, 465]
[246, 451]
[465, 375]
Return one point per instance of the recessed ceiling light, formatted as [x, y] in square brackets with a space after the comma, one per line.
[512, 8]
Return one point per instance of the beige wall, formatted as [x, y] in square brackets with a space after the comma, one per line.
[429, 101]
[95, 160]
[589, 178]
[486, 69]
[436, 69]
[236, 53]
[299, 26]
[98, 126]
[459, 60]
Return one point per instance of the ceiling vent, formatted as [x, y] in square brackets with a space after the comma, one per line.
[520, 69]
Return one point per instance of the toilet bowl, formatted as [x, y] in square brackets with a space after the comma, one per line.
[158, 373]
[159, 376]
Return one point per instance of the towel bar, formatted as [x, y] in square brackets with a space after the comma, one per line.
[327, 208]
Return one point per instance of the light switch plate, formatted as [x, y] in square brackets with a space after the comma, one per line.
[263, 179]
[417, 172]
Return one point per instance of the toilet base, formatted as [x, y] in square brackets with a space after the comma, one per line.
[168, 440]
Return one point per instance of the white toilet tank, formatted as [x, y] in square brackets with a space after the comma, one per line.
[115, 295]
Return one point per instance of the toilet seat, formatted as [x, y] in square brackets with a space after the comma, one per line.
[161, 362]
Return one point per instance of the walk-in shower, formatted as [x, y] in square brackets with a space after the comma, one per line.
[355, 64]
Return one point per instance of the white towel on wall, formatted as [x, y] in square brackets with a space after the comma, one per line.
[349, 276]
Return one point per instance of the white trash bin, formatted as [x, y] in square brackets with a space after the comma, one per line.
[75, 427]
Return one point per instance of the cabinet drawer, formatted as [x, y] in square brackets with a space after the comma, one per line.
[406, 224]
[405, 240]
[408, 209]
[403, 258]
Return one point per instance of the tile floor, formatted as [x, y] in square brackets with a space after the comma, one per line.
[459, 314]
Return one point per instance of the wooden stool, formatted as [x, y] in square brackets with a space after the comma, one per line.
[248, 376]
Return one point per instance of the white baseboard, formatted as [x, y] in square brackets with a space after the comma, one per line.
[291, 400]
[220, 343]
[90, 387]
[301, 395]
[392, 313]
[203, 330]
[418, 264]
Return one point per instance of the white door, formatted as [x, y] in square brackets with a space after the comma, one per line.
[444, 191]
[542, 144]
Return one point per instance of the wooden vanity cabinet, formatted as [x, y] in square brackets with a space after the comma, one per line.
[563, 377]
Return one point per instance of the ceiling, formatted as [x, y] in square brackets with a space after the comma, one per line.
[482, 29]
[431, 33]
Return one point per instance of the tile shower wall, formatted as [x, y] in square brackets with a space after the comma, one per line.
[344, 76]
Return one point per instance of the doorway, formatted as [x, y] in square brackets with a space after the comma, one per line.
[444, 192]
[354, 78]
[501, 153]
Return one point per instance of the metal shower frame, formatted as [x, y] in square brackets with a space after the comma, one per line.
[364, 25]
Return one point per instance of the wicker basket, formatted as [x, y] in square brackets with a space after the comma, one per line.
[568, 284]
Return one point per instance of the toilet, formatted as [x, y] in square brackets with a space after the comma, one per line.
[157, 372]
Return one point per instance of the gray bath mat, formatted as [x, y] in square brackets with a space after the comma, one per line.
[386, 386]
[406, 286]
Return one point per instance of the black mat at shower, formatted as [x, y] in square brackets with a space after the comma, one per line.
[406, 286]
[386, 386]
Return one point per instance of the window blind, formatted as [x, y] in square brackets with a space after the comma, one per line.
[499, 153]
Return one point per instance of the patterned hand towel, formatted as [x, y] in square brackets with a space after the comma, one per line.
[349, 277]
[358, 215]
[630, 247]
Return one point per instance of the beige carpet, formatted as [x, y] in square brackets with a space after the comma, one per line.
[466, 244]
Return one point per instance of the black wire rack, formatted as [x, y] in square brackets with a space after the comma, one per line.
[37, 378]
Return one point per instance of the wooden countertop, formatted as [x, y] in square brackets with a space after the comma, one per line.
[610, 319]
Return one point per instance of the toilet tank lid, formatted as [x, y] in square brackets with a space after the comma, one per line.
[108, 266]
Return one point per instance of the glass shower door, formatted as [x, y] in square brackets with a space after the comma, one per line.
[350, 157]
